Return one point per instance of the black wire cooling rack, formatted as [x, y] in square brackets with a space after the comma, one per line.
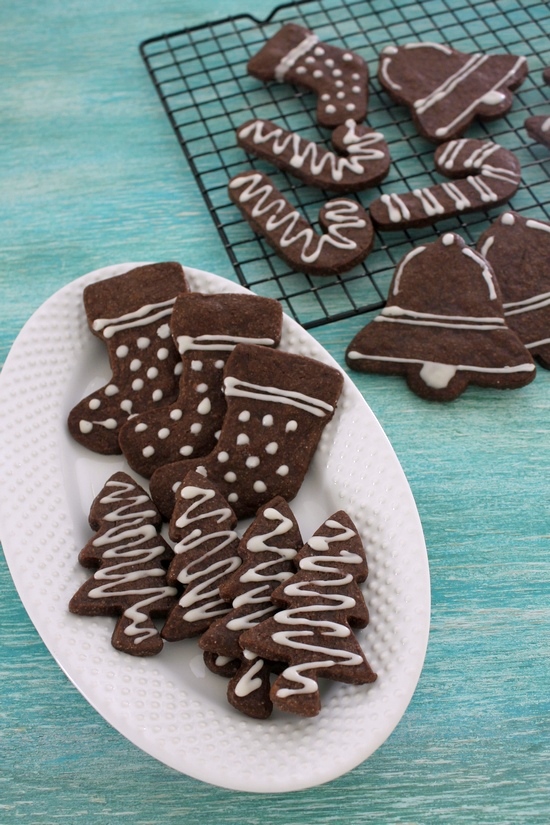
[201, 78]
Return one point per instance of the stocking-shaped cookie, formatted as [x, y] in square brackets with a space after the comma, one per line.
[131, 314]
[206, 329]
[278, 404]
[445, 89]
[267, 549]
[338, 76]
[131, 559]
[443, 326]
[313, 634]
[518, 250]
[205, 555]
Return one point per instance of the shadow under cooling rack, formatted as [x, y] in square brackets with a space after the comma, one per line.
[201, 78]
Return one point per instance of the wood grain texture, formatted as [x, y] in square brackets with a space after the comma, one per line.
[91, 175]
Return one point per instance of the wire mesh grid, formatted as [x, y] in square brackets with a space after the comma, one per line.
[201, 77]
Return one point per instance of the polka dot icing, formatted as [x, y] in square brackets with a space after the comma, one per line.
[244, 416]
[143, 342]
[94, 403]
[267, 420]
[176, 414]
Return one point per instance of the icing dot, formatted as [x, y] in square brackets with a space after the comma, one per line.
[143, 343]
[325, 97]
[176, 414]
[140, 428]
[508, 219]
[310, 59]
[202, 471]
[157, 395]
[317, 73]
[242, 438]
[196, 365]
[272, 448]
[220, 364]
[94, 403]
[176, 486]
[85, 427]
[230, 477]
[340, 95]
[187, 450]
[291, 426]
[163, 331]
[301, 70]
[355, 76]
[217, 434]
[178, 369]
[493, 98]
[137, 384]
[259, 487]
[390, 50]
[330, 109]
[110, 424]
[223, 457]
[337, 73]
[319, 51]
[126, 405]
[148, 451]
[252, 461]
[163, 433]
[232, 497]
[204, 407]
[111, 389]
[448, 239]
[339, 84]
[196, 428]
[202, 387]
[356, 90]
[267, 420]
[162, 354]
[347, 57]
[282, 470]
[152, 372]
[122, 351]
[244, 416]
[350, 107]
[135, 364]
[329, 62]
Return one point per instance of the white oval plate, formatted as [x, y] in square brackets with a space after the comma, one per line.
[170, 705]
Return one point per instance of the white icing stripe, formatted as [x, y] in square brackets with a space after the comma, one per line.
[385, 74]
[147, 314]
[218, 343]
[401, 266]
[485, 271]
[460, 200]
[475, 61]
[397, 210]
[538, 343]
[244, 389]
[429, 44]
[247, 683]
[420, 323]
[532, 224]
[294, 55]
[539, 302]
[429, 202]
[533, 299]
[487, 245]
[395, 311]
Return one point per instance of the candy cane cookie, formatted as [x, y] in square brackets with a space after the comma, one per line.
[347, 239]
[339, 77]
[363, 157]
[487, 175]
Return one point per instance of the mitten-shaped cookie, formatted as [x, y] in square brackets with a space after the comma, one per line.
[445, 89]
[518, 250]
[443, 326]
[205, 555]
[131, 558]
[312, 632]
[338, 76]
[278, 404]
[267, 549]
[131, 314]
[206, 329]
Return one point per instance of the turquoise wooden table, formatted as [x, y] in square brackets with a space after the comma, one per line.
[91, 174]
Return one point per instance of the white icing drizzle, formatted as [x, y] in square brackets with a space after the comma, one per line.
[147, 314]
[221, 343]
[416, 251]
[394, 314]
[474, 63]
[385, 73]
[429, 202]
[460, 200]
[528, 304]
[341, 216]
[532, 224]
[248, 683]
[397, 210]
[485, 271]
[245, 389]
[124, 541]
[295, 54]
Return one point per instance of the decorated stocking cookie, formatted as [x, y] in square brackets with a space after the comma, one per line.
[131, 558]
[267, 549]
[487, 175]
[338, 76]
[348, 236]
[363, 157]
[278, 404]
[206, 329]
[312, 633]
[205, 554]
[131, 314]
[445, 89]
[443, 326]
[518, 250]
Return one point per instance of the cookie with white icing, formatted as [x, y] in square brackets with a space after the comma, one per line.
[346, 241]
[361, 160]
[131, 559]
[518, 250]
[205, 328]
[278, 405]
[205, 554]
[338, 76]
[131, 315]
[312, 632]
[445, 90]
[267, 549]
[443, 326]
[484, 175]
[538, 128]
